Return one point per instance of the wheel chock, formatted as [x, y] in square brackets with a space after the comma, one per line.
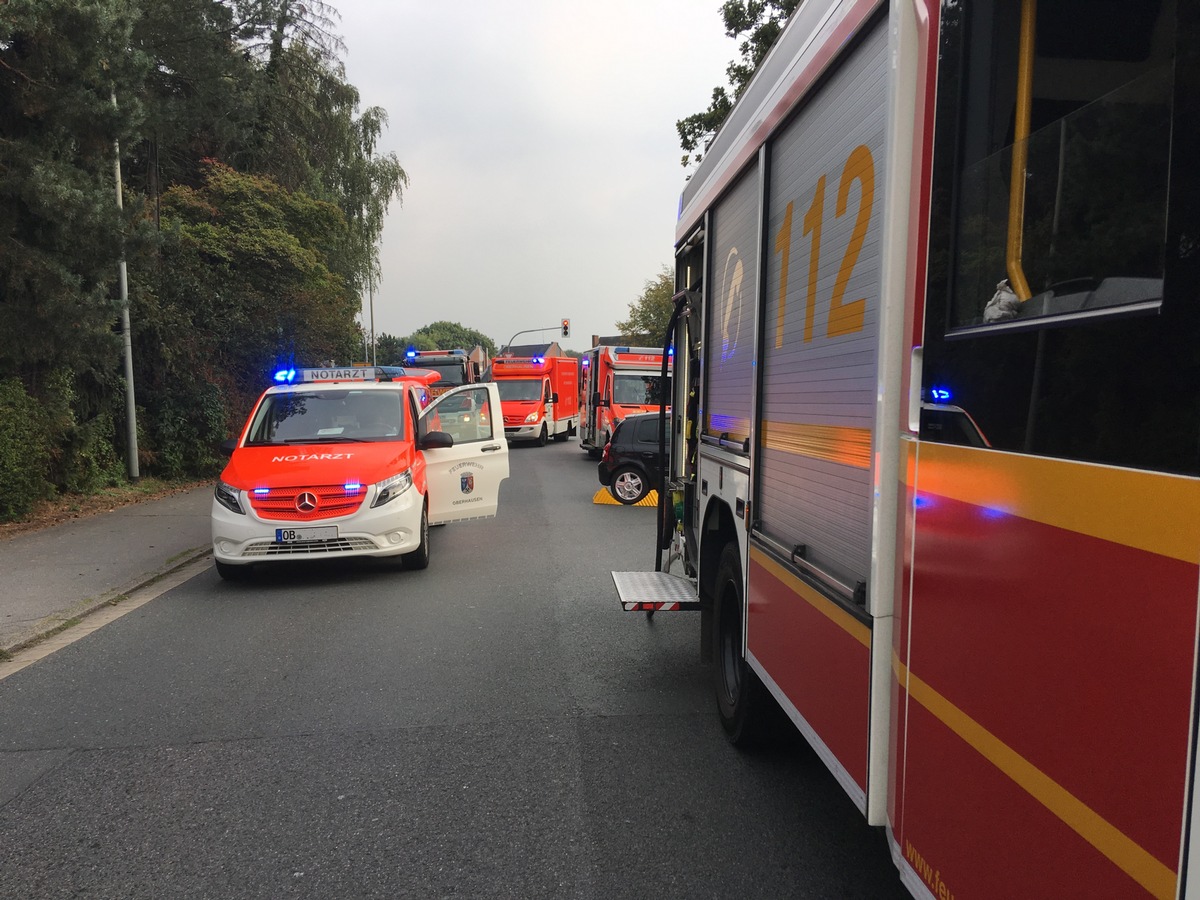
[605, 498]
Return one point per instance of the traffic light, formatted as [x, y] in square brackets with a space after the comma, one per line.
[566, 327]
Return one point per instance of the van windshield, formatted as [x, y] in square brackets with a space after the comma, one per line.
[520, 389]
[327, 417]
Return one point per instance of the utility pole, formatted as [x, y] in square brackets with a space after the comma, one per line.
[127, 337]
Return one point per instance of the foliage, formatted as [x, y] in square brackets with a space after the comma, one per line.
[650, 313]
[445, 336]
[60, 63]
[243, 284]
[254, 202]
[760, 21]
[24, 451]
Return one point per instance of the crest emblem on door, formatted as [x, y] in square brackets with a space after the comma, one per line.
[466, 483]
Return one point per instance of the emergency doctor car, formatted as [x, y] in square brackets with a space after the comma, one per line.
[343, 462]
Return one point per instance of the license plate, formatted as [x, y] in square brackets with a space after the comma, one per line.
[316, 533]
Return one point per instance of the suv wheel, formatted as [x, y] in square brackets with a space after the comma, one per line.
[628, 485]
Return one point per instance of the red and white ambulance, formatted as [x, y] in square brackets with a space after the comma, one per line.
[616, 382]
[345, 462]
[540, 396]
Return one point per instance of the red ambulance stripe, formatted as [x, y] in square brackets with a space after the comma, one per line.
[817, 653]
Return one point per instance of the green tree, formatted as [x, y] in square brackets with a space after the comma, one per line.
[243, 286]
[760, 21]
[61, 61]
[650, 313]
[448, 336]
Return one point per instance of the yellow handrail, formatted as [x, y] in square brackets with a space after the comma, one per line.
[1016, 190]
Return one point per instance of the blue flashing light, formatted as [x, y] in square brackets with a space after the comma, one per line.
[671, 350]
[940, 395]
[539, 360]
[285, 376]
[262, 491]
[410, 354]
[353, 487]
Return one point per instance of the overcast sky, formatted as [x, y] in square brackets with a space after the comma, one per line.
[539, 140]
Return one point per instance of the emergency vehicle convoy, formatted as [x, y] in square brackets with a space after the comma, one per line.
[345, 462]
[454, 367]
[540, 396]
[934, 447]
[615, 382]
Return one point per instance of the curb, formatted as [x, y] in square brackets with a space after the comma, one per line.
[55, 623]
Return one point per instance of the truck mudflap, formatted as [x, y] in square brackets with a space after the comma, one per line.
[655, 592]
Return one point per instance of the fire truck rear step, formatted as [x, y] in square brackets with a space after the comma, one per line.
[655, 592]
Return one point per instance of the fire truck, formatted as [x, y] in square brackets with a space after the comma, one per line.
[540, 396]
[454, 367]
[615, 382]
[934, 471]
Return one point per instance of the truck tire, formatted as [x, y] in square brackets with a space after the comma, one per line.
[560, 436]
[419, 558]
[541, 438]
[742, 702]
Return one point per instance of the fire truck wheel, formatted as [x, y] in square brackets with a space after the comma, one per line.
[419, 558]
[541, 438]
[628, 486]
[742, 701]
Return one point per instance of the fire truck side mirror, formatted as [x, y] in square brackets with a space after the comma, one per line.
[554, 397]
[596, 401]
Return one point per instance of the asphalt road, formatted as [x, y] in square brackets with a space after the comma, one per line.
[494, 726]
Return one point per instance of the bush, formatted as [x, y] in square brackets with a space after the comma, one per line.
[24, 451]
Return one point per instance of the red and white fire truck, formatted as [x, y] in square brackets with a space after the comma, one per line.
[454, 367]
[615, 382]
[922, 224]
[540, 396]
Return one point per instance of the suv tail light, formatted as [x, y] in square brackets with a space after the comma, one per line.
[607, 455]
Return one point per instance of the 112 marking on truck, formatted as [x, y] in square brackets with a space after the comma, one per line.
[936, 434]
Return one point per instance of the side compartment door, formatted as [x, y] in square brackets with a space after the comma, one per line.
[464, 480]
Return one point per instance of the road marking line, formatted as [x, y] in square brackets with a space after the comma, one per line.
[101, 617]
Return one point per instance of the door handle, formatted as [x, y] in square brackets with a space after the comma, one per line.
[490, 448]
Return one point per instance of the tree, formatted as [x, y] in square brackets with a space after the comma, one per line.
[761, 21]
[448, 336]
[243, 286]
[650, 313]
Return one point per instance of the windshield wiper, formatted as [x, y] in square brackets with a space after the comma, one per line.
[326, 439]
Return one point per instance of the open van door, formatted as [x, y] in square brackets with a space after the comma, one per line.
[464, 479]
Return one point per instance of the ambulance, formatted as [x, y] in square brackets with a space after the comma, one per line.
[337, 463]
[540, 396]
[616, 382]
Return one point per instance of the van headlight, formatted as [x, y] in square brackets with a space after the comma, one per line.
[390, 488]
[229, 497]
[532, 417]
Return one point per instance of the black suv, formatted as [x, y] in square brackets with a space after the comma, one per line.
[631, 466]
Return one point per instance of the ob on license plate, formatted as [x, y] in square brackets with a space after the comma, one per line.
[314, 533]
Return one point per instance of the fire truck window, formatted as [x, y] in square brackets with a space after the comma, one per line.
[1099, 362]
[1069, 220]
